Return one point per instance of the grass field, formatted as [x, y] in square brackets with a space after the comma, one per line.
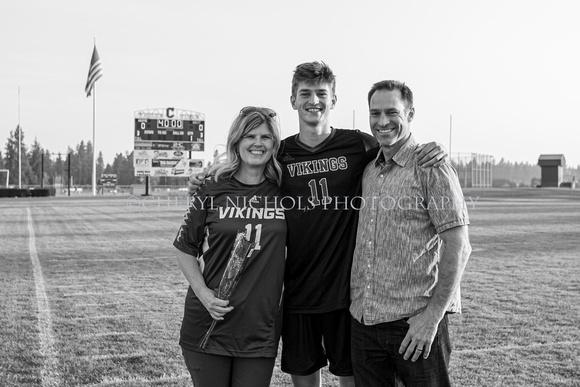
[91, 295]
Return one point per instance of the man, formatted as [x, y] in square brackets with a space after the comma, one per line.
[322, 169]
[411, 250]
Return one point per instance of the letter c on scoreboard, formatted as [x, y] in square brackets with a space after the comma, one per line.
[170, 112]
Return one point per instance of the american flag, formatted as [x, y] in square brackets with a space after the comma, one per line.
[95, 72]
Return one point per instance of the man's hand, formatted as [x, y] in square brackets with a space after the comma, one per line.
[195, 181]
[423, 326]
[420, 336]
[431, 154]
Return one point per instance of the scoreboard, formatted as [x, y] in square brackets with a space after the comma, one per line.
[109, 180]
[184, 131]
[166, 142]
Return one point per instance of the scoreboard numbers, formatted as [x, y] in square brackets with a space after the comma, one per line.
[147, 129]
[169, 124]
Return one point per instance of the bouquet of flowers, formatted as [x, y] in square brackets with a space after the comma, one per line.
[241, 252]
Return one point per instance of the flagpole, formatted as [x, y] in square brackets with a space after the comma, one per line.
[19, 144]
[95, 73]
[94, 182]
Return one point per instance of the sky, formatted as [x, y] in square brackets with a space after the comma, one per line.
[500, 78]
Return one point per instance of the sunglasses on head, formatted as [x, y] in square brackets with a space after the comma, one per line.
[252, 109]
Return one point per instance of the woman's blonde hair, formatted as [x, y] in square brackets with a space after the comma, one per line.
[249, 119]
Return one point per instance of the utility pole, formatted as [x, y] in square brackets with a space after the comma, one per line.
[42, 169]
[69, 157]
[450, 131]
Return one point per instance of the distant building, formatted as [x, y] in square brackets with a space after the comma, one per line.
[552, 169]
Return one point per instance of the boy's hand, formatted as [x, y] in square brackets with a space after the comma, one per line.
[195, 181]
[431, 154]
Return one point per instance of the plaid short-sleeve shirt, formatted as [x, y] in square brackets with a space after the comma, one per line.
[404, 208]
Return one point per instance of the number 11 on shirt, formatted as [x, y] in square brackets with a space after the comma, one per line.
[258, 228]
[326, 199]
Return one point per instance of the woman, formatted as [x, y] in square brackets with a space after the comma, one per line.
[240, 196]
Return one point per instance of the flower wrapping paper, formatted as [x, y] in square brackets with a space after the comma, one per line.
[241, 252]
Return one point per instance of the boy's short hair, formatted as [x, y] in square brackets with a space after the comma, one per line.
[313, 73]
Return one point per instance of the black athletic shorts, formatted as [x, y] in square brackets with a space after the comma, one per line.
[310, 341]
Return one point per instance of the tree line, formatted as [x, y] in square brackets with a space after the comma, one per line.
[505, 173]
[36, 160]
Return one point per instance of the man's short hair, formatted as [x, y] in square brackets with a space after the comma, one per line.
[313, 73]
[391, 85]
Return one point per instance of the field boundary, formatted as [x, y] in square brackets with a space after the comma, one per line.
[145, 381]
[517, 347]
[176, 291]
[49, 373]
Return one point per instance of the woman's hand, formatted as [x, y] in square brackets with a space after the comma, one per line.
[216, 307]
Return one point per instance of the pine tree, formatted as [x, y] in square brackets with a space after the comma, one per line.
[80, 165]
[36, 155]
[58, 170]
[88, 164]
[48, 168]
[100, 165]
[11, 158]
[128, 169]
[73, 161]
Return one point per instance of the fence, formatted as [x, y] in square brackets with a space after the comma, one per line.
[475, 170]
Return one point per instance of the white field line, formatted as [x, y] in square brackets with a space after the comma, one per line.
[66, 261]
[106, 334]
[100, 317]
[145, 381]
[115, 356]
[517, 347]
[72, 278]
[70, 286]
[176, 291]
[49, 373]
[98, 304]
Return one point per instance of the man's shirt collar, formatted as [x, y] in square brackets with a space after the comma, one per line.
[403, 155]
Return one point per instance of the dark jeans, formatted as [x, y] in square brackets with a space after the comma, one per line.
[376, 359]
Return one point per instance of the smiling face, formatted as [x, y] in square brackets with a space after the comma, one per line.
[313, 103]
[389, 118]
[256, 147]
